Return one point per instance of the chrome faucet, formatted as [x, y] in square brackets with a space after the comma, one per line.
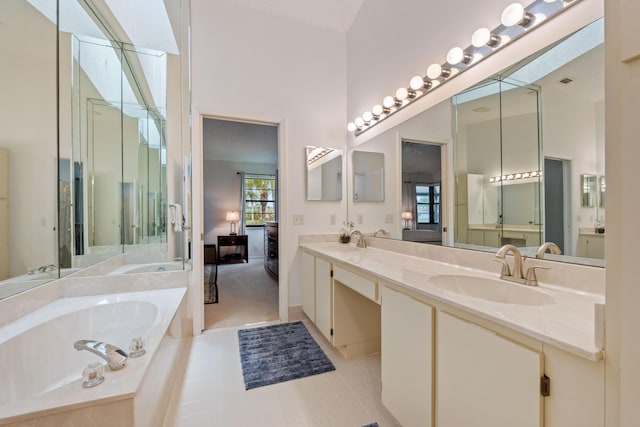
[553, 248]
[518, 275]
[361, 243]
[517, 263]
[381, 231]
[115, 357]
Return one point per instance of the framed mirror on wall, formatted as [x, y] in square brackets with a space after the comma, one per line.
[324, 173]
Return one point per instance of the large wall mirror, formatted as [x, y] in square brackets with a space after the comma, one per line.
[114, 157]
[518, 144]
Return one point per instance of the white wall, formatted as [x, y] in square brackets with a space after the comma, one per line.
[252, 65]
[622, 86]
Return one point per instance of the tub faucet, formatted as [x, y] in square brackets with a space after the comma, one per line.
[361, 243]
[115, 357]
[553, 248]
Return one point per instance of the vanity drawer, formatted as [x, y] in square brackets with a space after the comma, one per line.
[360, 284]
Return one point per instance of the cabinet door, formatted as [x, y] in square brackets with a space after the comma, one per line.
[492, 239]
[323, 297]
[309, 285]
[596, 247]
[476, 237]
[407, 365]
[4, 239]
[483, 379]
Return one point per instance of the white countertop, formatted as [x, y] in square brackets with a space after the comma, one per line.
[568, 324]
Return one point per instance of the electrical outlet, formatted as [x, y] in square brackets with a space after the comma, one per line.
[388, 219]
[332, 219]
[359, 218]
[298, 219]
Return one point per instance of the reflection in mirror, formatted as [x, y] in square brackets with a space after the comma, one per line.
[497, 150]
[603, 192]
[28, 146]
[523, 187]
[589, 184]
[324, 173]
[421, 185]
[368, 176]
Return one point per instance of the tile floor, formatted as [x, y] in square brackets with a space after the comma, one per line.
[210, 391]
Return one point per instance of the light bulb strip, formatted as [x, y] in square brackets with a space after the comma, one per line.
[484, 43]
[515, 176]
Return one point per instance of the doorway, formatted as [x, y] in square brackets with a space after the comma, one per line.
[555, 209]
[240, 201]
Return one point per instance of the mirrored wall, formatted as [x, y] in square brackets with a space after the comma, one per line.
[94, 114]
[520, 143]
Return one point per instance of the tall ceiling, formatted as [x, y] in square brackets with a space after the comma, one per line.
[334, 15]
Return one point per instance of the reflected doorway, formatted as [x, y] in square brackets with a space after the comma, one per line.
[555, 211]
[421, 192]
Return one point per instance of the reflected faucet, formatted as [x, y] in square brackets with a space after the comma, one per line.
[115, 357]
[553, 248]
[381, 231]
[361, 243]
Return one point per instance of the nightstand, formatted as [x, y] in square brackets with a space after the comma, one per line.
[240, 241]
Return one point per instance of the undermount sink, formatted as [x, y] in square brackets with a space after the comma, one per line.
[491, 290]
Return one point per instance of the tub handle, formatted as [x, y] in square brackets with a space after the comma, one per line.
[115, 357]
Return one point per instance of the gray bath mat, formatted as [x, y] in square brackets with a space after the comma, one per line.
[277, 353]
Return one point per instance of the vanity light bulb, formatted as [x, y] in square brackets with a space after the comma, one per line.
[456, 55]
[514, 14]
[484, 37]
[492, 180]
[367, 116]
[509, 176]
[525, 175]
[388, 102]
[359, 122]
[377, 110]
[416, 83]
[518, 176]
[351, 127]
[434, 71]
[402, 94]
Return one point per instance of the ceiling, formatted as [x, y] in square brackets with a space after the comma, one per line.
[240, 142]
[334, 15]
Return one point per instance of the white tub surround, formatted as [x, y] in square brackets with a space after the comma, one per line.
[568, 323]
[42, 371]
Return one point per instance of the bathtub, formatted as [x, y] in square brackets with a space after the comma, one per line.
[156, 267]
[42, 372]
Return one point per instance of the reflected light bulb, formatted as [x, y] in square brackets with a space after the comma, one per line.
[367, 116]
[359, 122]
[388, 102]
[351, 127]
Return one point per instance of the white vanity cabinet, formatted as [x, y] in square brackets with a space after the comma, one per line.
[323, 298]
[591, 245]
[309, 285]
[407, 358]
[484, 379]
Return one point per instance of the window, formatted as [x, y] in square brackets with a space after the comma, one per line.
[260, 199]
[428, 203]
